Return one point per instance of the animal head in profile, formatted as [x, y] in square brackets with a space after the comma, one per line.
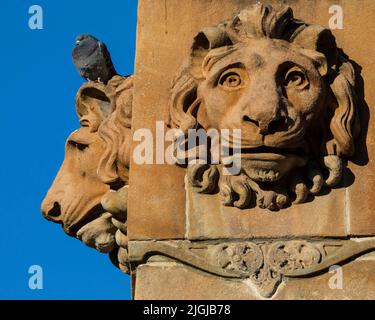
[96, 157]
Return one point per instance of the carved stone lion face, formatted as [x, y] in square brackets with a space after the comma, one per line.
[96, 159]
[273, 91]
[76, 192]
[75, 195]
[289, 90]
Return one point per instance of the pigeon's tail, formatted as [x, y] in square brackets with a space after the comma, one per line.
[112, 71]
[110, 67]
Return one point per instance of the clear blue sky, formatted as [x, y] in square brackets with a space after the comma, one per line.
[38, 86]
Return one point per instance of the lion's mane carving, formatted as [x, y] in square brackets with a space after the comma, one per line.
[289, 89]
[113, 167]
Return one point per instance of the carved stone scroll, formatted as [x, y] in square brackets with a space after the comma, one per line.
[265, 263]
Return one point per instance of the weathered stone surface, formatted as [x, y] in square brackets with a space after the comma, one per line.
[265, 265]
[358, 284]
[171, 280]
[331, 213]
[338, 212]
[208, 219]
[301, 199]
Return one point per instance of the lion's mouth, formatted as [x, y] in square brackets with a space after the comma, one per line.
[266, 153]
[57, 215]
[271, 153]
[266, 164]
[95, 212]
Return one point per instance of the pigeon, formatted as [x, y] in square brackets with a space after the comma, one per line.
[92, 59]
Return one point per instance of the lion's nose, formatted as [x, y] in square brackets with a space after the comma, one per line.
[264, 106]
[51, 210]
[267, 125]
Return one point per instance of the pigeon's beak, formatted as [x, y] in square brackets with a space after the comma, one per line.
[78, 42]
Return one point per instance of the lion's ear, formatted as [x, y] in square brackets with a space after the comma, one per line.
[95, 96]
[319, 39]
[204, 41]
[319, 60]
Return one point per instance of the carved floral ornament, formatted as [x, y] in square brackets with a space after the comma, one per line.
[265, 263]
[290, 91]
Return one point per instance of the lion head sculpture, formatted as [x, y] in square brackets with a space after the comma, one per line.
[290, 91]
[94, 175]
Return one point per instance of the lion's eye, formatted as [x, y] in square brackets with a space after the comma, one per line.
[77, 145]
[230, 80]
[295, 78]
